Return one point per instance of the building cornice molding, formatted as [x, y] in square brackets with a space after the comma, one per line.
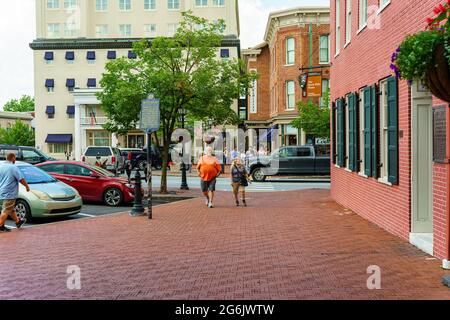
[110, 43]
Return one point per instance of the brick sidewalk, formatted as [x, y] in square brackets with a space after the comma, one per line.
[293, 245]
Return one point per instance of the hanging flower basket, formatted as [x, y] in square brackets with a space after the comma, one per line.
[425, 56]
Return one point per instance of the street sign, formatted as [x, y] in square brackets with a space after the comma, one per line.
[150, 115]
[314, 85]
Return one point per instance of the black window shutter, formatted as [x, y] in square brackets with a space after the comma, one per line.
[392, 118]
[358, 125]
[375, 126]
[339, 132]
[352, 138]
[333, 128]
[367, 133]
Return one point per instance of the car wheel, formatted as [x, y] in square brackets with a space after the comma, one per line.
[113, 197]
[23, 210]
[258, 175]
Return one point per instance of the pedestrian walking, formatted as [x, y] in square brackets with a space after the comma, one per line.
[10, 177]
[234, 154]
[208, 169]
[239, 180]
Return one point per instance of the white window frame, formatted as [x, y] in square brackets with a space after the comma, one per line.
[348, 22]
[55, 32]
[173, 4]
[103, 28]
[101, 5]
[149, 5]
[125, 30]
[290, 51]
[125, 5]
[383, 5]
[361, 134]
[70, 4]
[338, 27]
[201, 3]
[218, 3]
[172, 29]
[150, 29]
[70, 29]
[384, 146]
[327, 36]
[363, 14]
[52, 4]
[290, 95]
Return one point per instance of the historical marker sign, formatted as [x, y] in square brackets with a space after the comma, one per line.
[150, 115]
[314, 85]
[440, 135]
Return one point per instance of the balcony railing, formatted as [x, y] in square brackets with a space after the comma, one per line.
[93, 121]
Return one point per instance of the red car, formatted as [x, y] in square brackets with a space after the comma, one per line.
[93, 183]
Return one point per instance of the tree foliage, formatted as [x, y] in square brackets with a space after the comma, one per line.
[18, 134]
[24, 104]
[183, 71]
[314, 119]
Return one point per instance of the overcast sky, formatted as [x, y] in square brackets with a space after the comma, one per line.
[17, 30]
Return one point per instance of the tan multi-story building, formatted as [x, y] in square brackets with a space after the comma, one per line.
[296, 42]
[76, 38]
[8, 119]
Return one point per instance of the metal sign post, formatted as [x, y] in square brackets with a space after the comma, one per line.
[150, 122]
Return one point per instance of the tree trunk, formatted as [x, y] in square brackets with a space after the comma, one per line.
[165, 157]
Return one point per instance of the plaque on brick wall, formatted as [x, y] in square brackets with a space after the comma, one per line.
[440, 134]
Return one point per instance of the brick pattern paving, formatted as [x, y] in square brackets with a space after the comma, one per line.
[293, 245]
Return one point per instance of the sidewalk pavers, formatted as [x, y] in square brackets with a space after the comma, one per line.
[286, 245]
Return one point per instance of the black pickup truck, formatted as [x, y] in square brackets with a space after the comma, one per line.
[139, 157]
[292, 160]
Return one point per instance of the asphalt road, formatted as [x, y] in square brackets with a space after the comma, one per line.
[223, 184]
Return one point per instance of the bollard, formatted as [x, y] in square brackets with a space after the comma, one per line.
[138, 208]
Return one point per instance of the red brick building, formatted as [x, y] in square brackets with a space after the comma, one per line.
[383, 166]
[294, 39]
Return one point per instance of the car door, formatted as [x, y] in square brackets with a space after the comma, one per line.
[282, 159]
[80, 178]
[55, 170]
[322, 160]
[303, 162]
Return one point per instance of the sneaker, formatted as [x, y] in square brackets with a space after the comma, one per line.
[207, 202]
[245, 203]
[5, 229]
[237, 203]
[210, 205]
[21, 223]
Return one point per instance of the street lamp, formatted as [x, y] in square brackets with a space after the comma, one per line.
[184, 185]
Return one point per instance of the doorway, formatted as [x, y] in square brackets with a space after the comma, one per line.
[422, 170]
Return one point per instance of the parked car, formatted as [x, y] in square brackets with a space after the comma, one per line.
[48, 196]
[292, 160]
[29, 155]
[139, 157]
[93, 183]
[109, 158]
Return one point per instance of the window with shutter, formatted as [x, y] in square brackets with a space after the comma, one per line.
[367, 132]
[392, 121]
[341, 133]
[352, 132]
[375, 125]
[333, 128]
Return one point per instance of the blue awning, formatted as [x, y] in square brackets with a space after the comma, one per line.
[50, 110]
[70, 55]
[70, 83]
[92, 83]
[224, 53]
[70, 110]
[111, 55]
[48, 55]
[131, 55]
[59, 138]
[90, 55]
[49, 83]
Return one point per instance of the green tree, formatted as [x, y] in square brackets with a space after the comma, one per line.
[24, 104]
[182, 71]
[19, 134]
[314, 119]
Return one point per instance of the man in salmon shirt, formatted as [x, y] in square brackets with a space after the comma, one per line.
[208, 169]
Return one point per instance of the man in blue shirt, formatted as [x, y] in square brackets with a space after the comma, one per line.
[10, 176]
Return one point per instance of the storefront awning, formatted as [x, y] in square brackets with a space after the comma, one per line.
[92, 83]
[70, 55]
[59, 138]
[49, 83]
[50, 110]
[70, 110]
[90, 55]
[48, 55]
[111, 55]
[131, 55]
[70, 83]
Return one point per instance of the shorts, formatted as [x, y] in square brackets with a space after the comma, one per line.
[237, 186]
[8, 206]
[208, 185]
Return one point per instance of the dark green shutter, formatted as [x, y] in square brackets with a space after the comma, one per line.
[352, 133]
[367, 133]
[333, 128]
[340, 133]
[375, 125]
[392, 119]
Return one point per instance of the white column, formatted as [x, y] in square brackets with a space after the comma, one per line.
[77, 137]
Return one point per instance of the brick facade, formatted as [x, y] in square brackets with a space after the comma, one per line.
[363, 62]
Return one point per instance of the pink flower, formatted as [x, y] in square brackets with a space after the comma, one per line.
[430, 20]
[436, 10]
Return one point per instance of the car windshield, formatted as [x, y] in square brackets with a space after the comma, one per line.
[34, 175]
[101, 171]
[42, 154]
